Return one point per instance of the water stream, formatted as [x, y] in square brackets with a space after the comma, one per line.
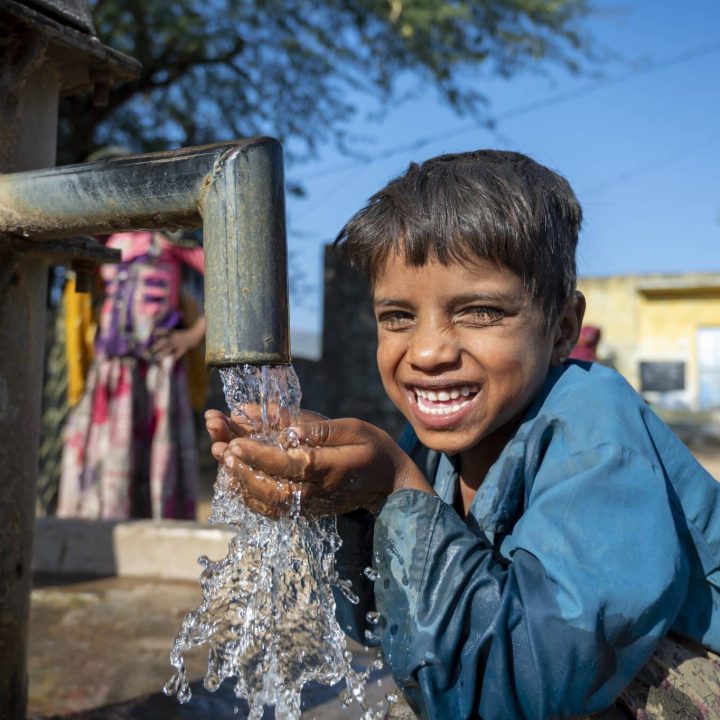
[268, 612]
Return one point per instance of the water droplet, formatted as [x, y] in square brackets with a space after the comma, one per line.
[371, 574]
[289, 439]
[376, 664]
[171, 686]
[211, 682]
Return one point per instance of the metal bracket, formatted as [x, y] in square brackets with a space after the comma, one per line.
[61, 252]
[81, 253]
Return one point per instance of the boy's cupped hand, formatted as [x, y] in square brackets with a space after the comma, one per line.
[336, 465]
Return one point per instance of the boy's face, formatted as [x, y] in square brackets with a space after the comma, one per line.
[462, 349]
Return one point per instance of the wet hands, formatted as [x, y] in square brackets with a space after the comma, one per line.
[335, 465]
[223, 429]
[243, 423]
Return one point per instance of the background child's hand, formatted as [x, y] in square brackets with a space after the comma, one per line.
[179, 341]
[336, 465]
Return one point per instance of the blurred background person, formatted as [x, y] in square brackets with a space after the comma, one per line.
[586, 348]
[72, 324]
[129, 443]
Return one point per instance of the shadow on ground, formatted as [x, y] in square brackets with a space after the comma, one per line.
[318, 701]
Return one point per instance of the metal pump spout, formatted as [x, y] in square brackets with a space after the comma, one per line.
[235, 191]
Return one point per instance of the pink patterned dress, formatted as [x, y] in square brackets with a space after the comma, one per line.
[130, 442]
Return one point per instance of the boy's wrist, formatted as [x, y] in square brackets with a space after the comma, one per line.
[408, 476]
[402, 474]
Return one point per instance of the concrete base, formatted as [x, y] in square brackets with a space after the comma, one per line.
[167, 549]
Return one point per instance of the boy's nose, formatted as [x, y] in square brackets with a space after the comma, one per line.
[431, 348]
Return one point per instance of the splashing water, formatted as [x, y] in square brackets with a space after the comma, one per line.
[268, 612]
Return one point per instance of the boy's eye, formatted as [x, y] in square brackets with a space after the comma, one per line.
[394, 319]
[482, 314]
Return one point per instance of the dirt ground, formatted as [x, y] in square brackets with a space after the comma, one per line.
[99, 650]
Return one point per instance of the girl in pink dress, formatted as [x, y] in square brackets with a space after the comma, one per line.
[130, 442]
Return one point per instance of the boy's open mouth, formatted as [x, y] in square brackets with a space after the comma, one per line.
[444, 401]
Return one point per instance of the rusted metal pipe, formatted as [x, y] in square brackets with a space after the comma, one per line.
[29, 92]
[234, 190]
[47, 49]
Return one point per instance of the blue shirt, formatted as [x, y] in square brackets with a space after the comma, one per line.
[594, 534]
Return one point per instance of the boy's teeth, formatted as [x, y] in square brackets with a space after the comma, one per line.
[426, 397]
[445, 395]
[440, 409]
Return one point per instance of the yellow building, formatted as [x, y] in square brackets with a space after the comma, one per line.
[662, 332]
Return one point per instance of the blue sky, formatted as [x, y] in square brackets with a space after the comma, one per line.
[640, 145]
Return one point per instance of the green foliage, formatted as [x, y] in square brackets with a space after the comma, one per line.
[219, 69]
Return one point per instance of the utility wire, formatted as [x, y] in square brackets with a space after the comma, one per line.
[654, 164]
[528, 108]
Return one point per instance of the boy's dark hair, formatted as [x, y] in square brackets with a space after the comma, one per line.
[492, 204]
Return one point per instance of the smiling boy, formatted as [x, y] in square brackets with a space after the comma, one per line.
[462, 351]
[539, 531]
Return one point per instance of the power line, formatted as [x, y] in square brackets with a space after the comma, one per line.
[654, 164]
[527, 108]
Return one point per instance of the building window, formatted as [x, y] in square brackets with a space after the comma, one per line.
[708, 347]
[662, 376]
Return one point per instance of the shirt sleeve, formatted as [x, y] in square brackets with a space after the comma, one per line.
[555, 622]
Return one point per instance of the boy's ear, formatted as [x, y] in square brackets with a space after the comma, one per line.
[567, 329]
